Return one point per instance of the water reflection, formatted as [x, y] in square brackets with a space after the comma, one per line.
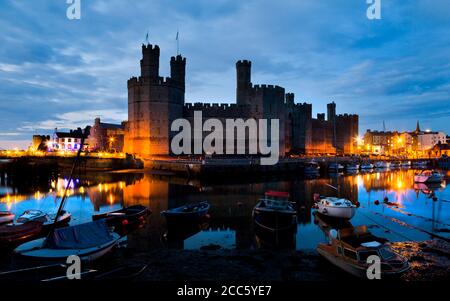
[230, 224]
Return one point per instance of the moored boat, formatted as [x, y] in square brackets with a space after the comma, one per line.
[88, 241]
[350, 248]
[366, 165]
[420, 164]
[335, 167]
[274, 212]
[46, 219]
[311, 167]
[13, 234]
[189, 212]
[126, 216]
[428, 176]
[395, 164]
[336, 207]
[352, 167]
[6, 217]
[406, 164]
[382, 164]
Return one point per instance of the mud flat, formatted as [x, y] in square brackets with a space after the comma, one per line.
[430, 260]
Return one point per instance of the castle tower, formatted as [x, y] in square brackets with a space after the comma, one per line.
[331, 111]
[243, 85]
[178, 70]
[150, 61]
[153, 103]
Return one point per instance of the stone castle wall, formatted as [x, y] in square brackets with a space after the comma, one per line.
[154, 102]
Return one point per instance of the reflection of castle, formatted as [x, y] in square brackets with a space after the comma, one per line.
[155, 102]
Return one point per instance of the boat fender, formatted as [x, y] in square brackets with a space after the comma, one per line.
[358, 204]
[435, 199]
[377, 202]
[124, 222]
[386, 199]
[316, 197]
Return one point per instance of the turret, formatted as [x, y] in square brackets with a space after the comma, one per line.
[178, 69]
[290, 98]
[243, 76]
[331, 111]
[150, 61]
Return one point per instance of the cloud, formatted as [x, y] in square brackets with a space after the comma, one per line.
[56, 72]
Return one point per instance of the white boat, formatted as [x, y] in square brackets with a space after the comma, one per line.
[406, 164]
[46, 219]
[336, 207]
[382, 164]
[367, 165]
[428, 176]
[352, 167]
[88, 241]
[6, 217]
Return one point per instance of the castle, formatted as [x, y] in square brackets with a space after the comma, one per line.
[154, 102]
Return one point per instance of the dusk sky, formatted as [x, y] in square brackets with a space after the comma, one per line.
[56, 72]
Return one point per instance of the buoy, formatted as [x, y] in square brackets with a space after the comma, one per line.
[435, 199]
[386, 199]
[377, 202]
[125, 222]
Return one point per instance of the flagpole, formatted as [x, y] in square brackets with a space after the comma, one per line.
[178, 43]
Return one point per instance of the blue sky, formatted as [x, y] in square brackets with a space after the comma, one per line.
[56, 72]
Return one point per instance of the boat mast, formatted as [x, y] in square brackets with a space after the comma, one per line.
[63, 200]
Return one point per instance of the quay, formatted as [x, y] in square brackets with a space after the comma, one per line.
[240, 166]
[87, 162]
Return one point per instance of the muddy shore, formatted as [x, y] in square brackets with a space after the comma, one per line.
[429, 260]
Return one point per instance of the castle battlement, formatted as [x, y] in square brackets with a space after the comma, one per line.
[160, 81]
[264, 87]
[178, 59]
[149, 47]
[244, 62]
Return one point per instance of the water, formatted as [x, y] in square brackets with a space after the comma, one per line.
[410, 213]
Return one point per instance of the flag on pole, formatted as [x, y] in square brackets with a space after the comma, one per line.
[146, 37]
[178, 43]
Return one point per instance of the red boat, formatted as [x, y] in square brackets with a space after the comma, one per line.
[15, 234]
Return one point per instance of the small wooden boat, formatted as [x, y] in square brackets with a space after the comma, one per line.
[350, 248]
[123, 217]
[189, 212]
[88, 241]
[428, 176]
[46, 219]
[6, 217]
[336, 207]
[13, 234]
[275, 212]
